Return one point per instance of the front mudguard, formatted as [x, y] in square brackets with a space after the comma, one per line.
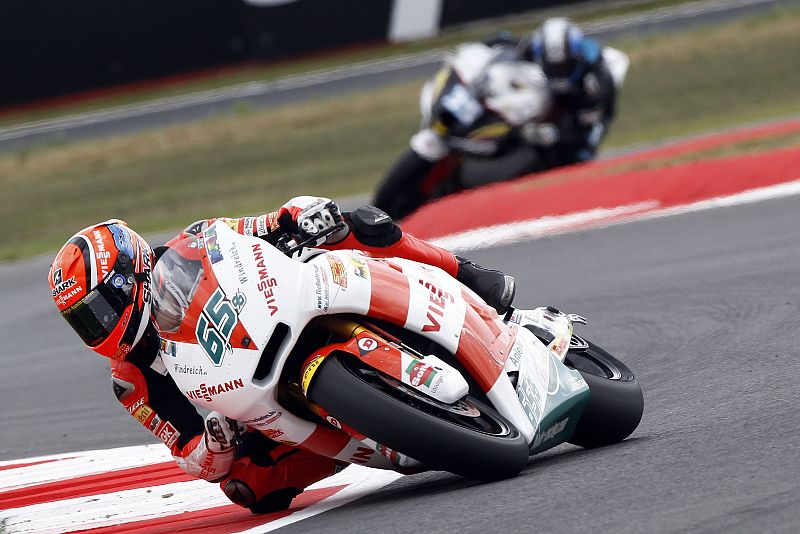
[429, 376]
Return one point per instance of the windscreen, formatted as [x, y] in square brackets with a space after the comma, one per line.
[176, 276]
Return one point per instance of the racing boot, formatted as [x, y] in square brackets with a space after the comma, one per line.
[496, 288]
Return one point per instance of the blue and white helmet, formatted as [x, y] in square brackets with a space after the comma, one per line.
[559, 47]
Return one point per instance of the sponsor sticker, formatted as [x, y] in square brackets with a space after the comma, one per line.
[272, 433]
[361, 456]
[559, 345]
[122, 239]
[338, 271]
[248, 225]
[529, 397]
[367, 344]
[272, 219]
[142, 413]
[189, 369]
[208, 393]
[266, 419]
[420, 373]
[261, 225]
[321, 290]
[333, 421]
[169, 434]
[309, 370]
[61, 285]
[550, 433]
[359, 267]
[212, 248]
[65, 297]
[154, 423]
[266, 283]
[237, 264]
[132, 408]
[168, 348]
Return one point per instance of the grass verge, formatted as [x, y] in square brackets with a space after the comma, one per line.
[253, 160]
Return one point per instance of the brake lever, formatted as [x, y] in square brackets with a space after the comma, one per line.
[290, 246]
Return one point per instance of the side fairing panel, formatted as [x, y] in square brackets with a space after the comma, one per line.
[248, 289]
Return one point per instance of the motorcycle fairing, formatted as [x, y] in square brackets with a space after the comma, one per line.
[275, 290]
[426, 300]
[481, 95]
[552, 395]
[272, 290]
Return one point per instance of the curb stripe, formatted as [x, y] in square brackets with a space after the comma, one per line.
[125, 479]
[222, 520]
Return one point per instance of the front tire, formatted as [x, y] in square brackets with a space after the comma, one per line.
[443, 437]
[616, 402]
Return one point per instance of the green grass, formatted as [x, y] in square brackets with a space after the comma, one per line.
[711, 79]
[520, 24]
[254, 159]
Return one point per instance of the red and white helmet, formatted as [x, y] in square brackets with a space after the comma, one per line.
[100, 280]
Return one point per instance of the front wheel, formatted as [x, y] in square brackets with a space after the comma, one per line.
[466, 438]
[616, 402]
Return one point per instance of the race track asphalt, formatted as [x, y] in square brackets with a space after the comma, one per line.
[704, 307]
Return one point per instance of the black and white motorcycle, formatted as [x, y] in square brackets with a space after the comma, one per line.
[487, 116]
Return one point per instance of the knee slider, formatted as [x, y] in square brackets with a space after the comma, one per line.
[373, 227]
[239, 492]
[242, 494]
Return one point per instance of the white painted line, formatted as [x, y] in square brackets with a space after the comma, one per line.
[518, 231]
[71, 465]
[503, 234]
[104, 510]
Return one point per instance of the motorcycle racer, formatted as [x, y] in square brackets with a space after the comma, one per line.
[582, 94]
[101, 281]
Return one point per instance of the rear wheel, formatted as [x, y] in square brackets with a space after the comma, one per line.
[466, 438]
[616, 402]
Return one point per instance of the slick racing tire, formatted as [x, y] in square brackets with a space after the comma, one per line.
[616, 402]
[467, 438]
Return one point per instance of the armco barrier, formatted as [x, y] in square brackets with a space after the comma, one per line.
[52, 48]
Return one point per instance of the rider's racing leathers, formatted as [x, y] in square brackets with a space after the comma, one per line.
[268, 475]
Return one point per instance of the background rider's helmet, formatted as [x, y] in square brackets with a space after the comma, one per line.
[100, 281]
[556, 47]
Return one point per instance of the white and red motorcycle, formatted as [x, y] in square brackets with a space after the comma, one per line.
[382, 362]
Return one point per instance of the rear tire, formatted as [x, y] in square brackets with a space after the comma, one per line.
[616, 402]
[483, 446]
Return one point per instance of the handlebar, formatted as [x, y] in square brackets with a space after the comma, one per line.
[288, 245]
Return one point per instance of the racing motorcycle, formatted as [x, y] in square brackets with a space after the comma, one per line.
[386, 363]
[495, 114]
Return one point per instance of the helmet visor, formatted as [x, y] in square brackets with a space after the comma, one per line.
[96, 315]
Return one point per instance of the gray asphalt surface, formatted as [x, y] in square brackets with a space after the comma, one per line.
[341, 81]
[703, 307]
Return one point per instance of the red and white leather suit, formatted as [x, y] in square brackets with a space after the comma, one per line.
[270, 474]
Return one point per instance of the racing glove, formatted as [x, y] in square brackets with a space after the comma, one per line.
[308, 217]
[210, 455]
[221, 432]
[540, 134]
